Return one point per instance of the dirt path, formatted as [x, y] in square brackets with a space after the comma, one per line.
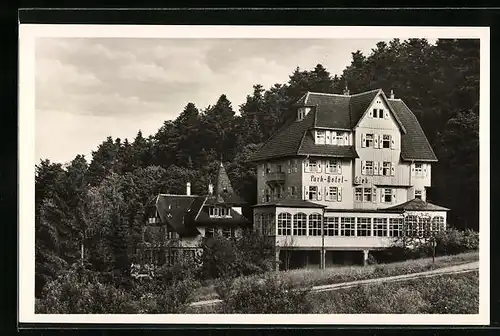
[427, 274]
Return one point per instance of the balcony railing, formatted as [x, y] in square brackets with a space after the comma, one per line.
[275, 178]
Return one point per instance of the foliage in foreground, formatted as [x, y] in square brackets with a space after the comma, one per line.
[268, 294]
[445, 294]
[81, 291]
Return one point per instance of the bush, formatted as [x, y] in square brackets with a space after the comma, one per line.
[445, 294]
[267, 295]
[457, 294]
[455, 241]
[79, 291]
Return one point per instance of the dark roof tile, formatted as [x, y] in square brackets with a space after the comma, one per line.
[418, 205]
[291, 203]
[414, 143]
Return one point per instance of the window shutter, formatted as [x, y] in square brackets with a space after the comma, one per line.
[327, 166]
[306, 163]
[318, 196]
[289, 166]
[318, 166]
[375, 167]
[382, 193]
[305, 192]
[363, 140]
[327, 137]
[339, 167]
[334, 138]
[386, 114]
[339, 194]
[424, 168]
[327, 195]
[289, 191]
[380, 142]
[393, 144]
[393, 195]
[392, 169]
[376, 139]
[263, 170]
[370, 113]
[374, 195]
[346, 139]
[412, 169]
[263, 197]
[363, 168]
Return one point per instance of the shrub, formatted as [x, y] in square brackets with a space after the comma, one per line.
[79, 291]
[455, 241]
[458, 294]
[267, 294]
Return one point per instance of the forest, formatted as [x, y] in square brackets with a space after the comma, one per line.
[101, 202]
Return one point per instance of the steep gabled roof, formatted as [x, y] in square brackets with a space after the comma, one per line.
[179, 211]
[414, 143]
[341, 112]
[417, 204]
[224, 192]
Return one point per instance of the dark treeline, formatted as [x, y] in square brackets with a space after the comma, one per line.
[101, 202]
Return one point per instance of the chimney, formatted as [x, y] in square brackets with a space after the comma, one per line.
[346, 90]
[392, 94]
[188, 188]
[210, 188]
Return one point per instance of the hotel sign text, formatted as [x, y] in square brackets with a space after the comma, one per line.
[328, 179]
[361, 180]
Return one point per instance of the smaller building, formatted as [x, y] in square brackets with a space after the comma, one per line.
[176, 224]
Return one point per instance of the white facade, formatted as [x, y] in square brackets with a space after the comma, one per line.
[348, 188]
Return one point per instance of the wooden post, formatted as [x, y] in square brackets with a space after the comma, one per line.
[277, 258]
[365, 257]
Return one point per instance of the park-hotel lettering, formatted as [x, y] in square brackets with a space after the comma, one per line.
[328, 179]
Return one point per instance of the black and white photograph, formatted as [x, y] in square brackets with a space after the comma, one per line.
[208, 173]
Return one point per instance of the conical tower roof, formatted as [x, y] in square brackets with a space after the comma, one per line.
[223, 191]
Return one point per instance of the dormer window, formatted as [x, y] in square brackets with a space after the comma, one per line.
[320, 137]
[219, 212]
[302, 112]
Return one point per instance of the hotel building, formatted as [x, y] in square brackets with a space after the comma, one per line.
[350, 173]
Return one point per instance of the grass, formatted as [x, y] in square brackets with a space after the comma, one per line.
[333, 275]
[443, 294]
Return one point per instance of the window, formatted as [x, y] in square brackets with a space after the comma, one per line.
[293, 191]
[320, 137]
[418, 194]
[386, 141]
[333, 166]
[380, 227]
[418, 169]
[387, 196]
[294, 165]
[300, 224]
[367, 194]
[364, 228]
[368, 140]
[339, 138]
[315, 225]
[358, 192]
[331, 194]
[386, 168]
[284, 224]
[219, 212]
[268, 224]
[380, 113]
[313, 192]
[228, 232]
[331, 226]
[313, 165]
[210, 232]
[411, 225]
[268, 168]
[395, 227]
[369, 167]
[153, 220]
[438, 224]
[375, 114]
[301, 113]
[347, 226]
[424, 226]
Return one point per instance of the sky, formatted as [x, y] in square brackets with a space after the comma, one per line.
[89, 88]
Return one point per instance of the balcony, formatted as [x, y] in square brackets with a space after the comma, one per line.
[275, 178]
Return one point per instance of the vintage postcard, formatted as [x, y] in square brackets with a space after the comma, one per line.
[239, 174]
